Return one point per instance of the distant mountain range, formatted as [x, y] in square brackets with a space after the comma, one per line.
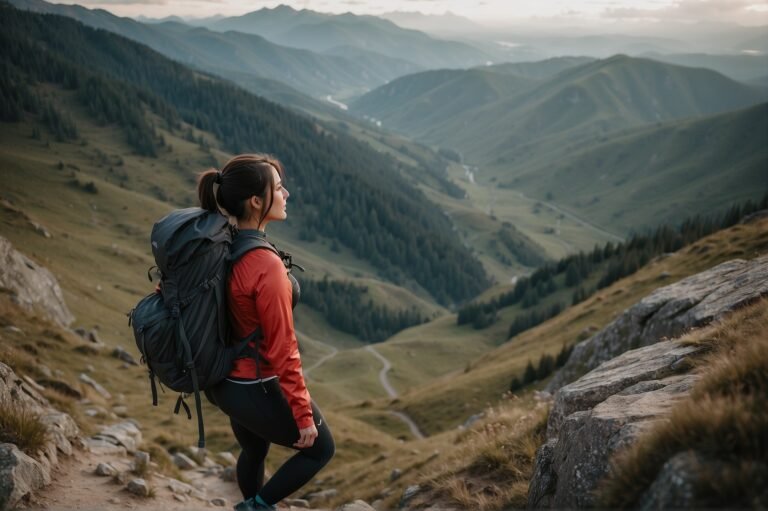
[244, 57]
[625, 141]
[581, 103]
[322, 32]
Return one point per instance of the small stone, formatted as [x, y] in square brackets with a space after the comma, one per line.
[179, 488]
[120, 410]
[300, 503]
[395, 474]
[227, 458]
[105, 469]
[358, 505]
[181, 498]
[123, 355]
[219, 502]
[229, 474]
[138, 487]
[96, 386]
[408, 494]
[322, 495]
[183, 461]
[114, 500]
[93, 336]
[381, 457]
[14, 329]
[140, 459]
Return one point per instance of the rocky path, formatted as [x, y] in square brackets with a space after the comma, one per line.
[393, 393]
[76, 486]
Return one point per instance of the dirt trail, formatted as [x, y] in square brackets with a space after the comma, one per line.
[393, 393]
[76, 486]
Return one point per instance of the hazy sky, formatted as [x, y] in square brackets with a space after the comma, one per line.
[748, 12]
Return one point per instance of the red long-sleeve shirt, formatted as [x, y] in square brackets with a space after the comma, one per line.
[260, 296]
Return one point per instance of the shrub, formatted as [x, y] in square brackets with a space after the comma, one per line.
[21, 426]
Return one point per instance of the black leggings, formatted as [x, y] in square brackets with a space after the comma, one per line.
[259, 419]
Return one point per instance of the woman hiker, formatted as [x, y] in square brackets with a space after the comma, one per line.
[265, 397]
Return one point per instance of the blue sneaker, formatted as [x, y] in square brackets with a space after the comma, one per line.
[251, 504]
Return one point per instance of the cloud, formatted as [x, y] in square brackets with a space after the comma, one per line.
[686, 10]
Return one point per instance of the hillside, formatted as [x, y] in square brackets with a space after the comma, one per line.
[647, 176]
[580, 105]
[433, 98]
[316, 160]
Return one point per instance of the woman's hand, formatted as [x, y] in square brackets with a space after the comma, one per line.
[306, 437]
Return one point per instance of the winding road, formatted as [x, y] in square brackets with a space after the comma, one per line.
[390, 390]
[393, 393]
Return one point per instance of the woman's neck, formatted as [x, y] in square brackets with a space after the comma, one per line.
[252, 225]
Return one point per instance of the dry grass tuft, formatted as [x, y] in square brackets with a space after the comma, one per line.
[20, 426]
[493, 462]
[723, 422]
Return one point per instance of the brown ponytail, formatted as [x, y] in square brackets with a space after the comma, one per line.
[205, 182]
[240, 179]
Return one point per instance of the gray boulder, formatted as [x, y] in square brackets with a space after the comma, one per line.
[33, 286]
[20, 475]
[567, 470]
[669, 312]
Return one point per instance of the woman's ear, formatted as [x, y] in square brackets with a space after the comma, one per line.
[255, 203]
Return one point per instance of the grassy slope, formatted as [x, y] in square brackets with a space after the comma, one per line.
[448, 401]
[100, 253]
[660, 174]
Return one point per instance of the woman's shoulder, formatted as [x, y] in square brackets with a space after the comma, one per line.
[260, 258]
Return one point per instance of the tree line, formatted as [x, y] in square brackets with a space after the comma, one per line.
[344, 306]
[611, 262]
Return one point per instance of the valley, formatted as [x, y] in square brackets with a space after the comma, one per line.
[426, 187]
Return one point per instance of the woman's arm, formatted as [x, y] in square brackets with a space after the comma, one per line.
[280, 347]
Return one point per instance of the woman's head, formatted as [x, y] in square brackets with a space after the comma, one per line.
[250, 189]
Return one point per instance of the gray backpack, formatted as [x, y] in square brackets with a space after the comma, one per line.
[183, 331]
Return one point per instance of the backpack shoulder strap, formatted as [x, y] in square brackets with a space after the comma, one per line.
[245, 241]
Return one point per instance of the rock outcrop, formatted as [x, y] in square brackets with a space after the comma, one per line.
[668, 312]
[33, 286]
[23, 473]
[634, 376]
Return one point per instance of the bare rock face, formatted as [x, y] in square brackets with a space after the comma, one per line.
[669, 312]
[34, 287]
[636, 369]
[634, 377]
[579, 458]
[22, 473]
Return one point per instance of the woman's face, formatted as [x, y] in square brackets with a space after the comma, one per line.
[279, 198]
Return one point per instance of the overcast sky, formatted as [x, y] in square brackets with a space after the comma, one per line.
[747, 12]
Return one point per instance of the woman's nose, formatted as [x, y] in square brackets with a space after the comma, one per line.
[285, 193]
